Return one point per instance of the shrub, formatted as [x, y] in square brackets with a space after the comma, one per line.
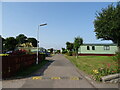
[69, 53]
[107, 69]
[116, 58]
[74, 53]
[65, 51]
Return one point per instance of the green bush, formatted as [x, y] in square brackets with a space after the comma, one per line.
[107, 69]
[74, 53]
[116, 58]
[69, 53]
[63, 52]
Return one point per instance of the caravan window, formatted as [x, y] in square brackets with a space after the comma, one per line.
[106, 47]
[88, 48]
[93, 47]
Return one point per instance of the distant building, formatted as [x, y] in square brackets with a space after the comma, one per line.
[97, 49]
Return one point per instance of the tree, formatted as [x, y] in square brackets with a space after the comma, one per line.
[107, 24]
[1, 45]
[3, 42]
[58, 51]
[21, 38]
[77, 42]
[33, 41]
[10, 43]
[51, 50]
[63, 49]
[69, 46]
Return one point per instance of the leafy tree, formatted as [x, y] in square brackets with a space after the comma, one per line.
[51, 50]
[33, 41]
[10, 43]
[107, 24]
[64, 51]
[21, 38]
[77, 42]
[3, 42]
[2, 39]
[69, 46]
[1, 45]
[58, 51]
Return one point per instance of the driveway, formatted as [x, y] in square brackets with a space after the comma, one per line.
[58, 73]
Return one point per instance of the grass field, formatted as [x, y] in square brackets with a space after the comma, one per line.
[90, 63]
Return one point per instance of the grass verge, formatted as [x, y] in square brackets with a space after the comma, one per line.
[90, 63]
[31, 69]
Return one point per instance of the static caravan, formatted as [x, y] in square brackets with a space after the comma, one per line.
[98, 49]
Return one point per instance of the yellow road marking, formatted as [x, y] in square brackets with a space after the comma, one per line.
[74, 78]
[37, 78]
[55, 78]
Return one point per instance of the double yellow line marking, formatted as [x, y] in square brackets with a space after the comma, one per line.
[55, 78]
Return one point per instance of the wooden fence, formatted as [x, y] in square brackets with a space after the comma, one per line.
[11, 64]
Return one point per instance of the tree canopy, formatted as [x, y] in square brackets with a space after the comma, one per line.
[51, 50]
[69, 46]
[21, 38]
[33, 41]
[107, 23]
[77, 42]
[24, 41]
[10, 43]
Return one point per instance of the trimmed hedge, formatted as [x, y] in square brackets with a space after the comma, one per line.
[12, 64]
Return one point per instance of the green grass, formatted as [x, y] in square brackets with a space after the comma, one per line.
[90, 63]
[30, 70]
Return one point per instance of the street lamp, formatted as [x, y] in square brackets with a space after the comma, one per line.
[38, 41]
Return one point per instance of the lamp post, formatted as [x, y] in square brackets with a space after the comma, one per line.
[38, 41]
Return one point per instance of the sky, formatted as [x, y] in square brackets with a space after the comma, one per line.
[65, 21]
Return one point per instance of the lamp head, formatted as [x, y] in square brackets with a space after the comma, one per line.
[43, 24]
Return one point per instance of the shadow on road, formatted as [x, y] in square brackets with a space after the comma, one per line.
[40, 72]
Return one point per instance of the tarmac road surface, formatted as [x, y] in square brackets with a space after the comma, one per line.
[61, 73]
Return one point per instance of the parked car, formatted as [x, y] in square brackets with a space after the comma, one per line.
[45, 52]
[8, 52]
